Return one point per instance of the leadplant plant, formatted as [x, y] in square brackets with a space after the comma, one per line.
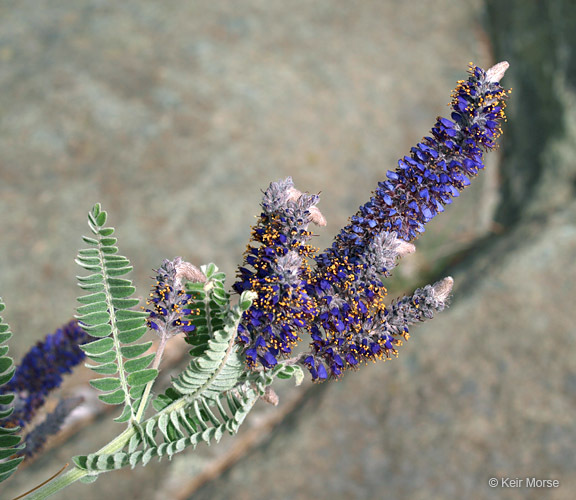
[241, 342]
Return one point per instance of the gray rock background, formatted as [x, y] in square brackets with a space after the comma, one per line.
[176, 115]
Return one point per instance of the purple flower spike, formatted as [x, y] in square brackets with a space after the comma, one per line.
[169, 302]
[351, 309]
[41, 371]
[341, 302]
[276, 269]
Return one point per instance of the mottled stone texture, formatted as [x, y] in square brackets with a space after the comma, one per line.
[539, 154]
[175, 115]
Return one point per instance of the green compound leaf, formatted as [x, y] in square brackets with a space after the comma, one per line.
[211, 397]
[10, 443]
[217, 364]
[105, 314]
[186, 422]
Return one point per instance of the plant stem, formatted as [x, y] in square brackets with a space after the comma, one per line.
[117, 444]
[57, 484]
[148, 388]
[74, 474]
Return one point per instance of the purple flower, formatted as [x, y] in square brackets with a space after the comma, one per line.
[353, 322]
[276, 269]
[41, 370]
[169, 303]
[438, 167]
[341, 304]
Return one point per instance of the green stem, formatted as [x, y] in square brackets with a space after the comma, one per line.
[156, 364]
[73, 475]
[57, 484]
[160, 351]
[117, 444]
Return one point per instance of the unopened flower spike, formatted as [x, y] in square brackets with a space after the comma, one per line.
[168, 302]
[422, 305]
[50, 426]
[276, 268]
[41, 371]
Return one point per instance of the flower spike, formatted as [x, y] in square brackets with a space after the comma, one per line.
[341, 304]
[41, 370]
[169, 303]
[276, 269]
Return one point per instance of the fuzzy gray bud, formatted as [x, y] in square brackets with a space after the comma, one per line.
[443, 288]
[188, 272]
[496, 72]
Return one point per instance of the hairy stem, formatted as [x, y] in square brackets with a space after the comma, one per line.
[74, 474]
[114, 326]
[148, 388]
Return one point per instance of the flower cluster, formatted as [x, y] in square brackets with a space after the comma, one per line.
[355, 323]
[41, 371]
[380, 335]
[169, 302]
[437, 169]
[276, 269]
[341, 303]
[351, 324]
